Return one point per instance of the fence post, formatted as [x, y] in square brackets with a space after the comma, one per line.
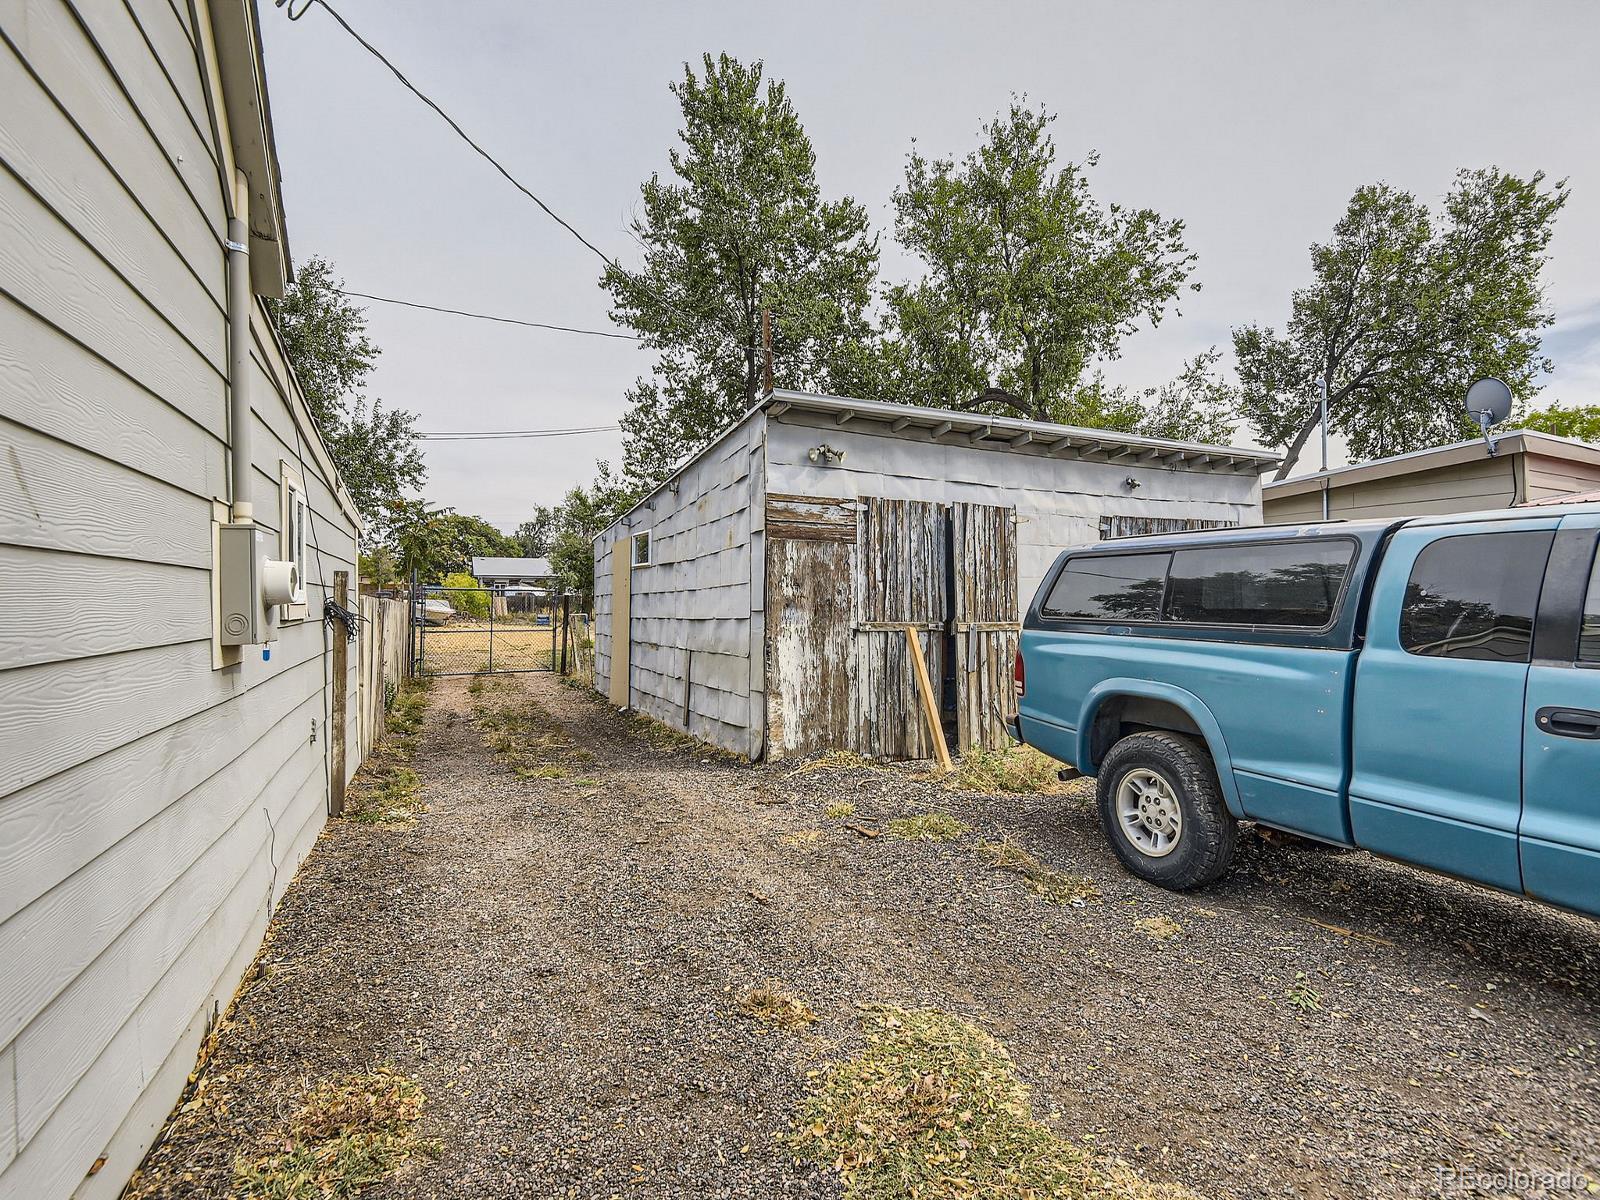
[341, 682]
[566, 629]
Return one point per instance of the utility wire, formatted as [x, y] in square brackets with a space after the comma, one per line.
[485, 435]
[457, 312]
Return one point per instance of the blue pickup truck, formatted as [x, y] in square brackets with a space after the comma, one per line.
[1426, 689]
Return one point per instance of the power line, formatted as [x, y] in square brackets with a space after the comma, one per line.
[447, 118]
[457, 312]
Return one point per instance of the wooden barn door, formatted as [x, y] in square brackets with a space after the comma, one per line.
[900, 580]
[810, 548]
[987, 620]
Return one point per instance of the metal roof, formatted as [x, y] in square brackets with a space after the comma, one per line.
[948, 426]
[511, 568]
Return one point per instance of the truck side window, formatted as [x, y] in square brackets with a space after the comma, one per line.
[1286, 583]
[1589, 636]
[1474, 596]
[1109, 587]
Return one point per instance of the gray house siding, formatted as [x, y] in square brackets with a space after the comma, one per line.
[690, 662]
[152, 806]
[1059, 502]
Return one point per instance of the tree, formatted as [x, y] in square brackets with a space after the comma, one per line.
[1197, 406]
[741, 226]
[1029, 280]
[583, 514]
[375, 449]
[534, 536]
[436, 542]
[1403, 313]
[1581, 422]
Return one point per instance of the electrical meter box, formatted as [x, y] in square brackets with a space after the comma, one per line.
[245, 616]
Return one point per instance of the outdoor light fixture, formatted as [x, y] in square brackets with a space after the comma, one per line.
[1132, 483]
[825, 454]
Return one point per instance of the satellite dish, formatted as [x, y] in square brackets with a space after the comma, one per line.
[1488, 403]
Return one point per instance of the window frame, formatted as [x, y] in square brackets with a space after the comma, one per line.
[634, 560]
[292, 502]
[1590, 596]
[1055, 580]
[1189, 628]
[1537, 620]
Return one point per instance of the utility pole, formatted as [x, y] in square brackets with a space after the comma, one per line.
[1323, 401]
[766, 348]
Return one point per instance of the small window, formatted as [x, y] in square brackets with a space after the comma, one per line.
[1473, 596]
[1589, 636]
[1294, 584]
[641, 549]
[1109, 587]
[292, 533]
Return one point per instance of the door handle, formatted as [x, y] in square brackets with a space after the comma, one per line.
[1570, 722]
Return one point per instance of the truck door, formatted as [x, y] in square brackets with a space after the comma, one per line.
[1560, 831]
[1440, 686]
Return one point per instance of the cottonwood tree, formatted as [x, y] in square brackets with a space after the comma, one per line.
[1405, 310]
[1581, 421]
[375, 449]
[739, 226]
[1029, 279]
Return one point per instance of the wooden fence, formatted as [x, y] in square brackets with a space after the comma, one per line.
[383, 666]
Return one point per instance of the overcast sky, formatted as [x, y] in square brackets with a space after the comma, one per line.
[1252, 120]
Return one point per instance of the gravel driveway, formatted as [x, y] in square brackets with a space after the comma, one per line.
[558, 960]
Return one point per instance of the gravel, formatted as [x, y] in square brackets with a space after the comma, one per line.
[559, 963]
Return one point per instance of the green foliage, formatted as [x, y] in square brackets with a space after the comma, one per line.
[1581, 422]
[535, 536]
[380, 566]
[583, 513]
[472, 600]
[1029, 279]
[1405, 310]
[739, 225]
[375, 449]
[437, 541]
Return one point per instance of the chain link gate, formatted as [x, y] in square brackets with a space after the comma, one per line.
[474, 631]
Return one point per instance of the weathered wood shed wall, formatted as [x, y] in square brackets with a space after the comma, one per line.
[153, 805]
[695, 609]
[773, 615]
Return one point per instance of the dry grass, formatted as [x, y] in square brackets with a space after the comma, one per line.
[521, 733]
[773, 1004]
[1058, 887]
[839, 810]
[932, 1108]
[835, 760]
[348, 1134]
[664, 737]
[927, 827]
[801, 838]
[1015, 771]
[386, 791]
[1162, 928]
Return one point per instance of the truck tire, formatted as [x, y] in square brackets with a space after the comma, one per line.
[1163, 813]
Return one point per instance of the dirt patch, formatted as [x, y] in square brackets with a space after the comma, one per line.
[559, 964]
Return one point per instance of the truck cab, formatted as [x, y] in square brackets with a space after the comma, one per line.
[1426, 689]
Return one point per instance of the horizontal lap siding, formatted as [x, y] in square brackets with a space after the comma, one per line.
[691, 607]
[1059, 501]
[151, 808]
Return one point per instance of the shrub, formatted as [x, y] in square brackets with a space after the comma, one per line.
[474, 601]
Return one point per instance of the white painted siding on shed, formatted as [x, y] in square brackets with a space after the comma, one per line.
[152, 808]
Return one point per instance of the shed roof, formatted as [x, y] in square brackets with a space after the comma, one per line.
[522, 568]
[1514, 441]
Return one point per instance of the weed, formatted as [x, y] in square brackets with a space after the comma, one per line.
[526, 738]
[1302, 995]
[933, 1108]
[928, 827]
[349, 1133]
[1161, 927]
[774, 1004]
[386, 791]
[1058, 887]
[1016, 770]
[801, 838]
[839, 810]
[545, 771]
[835, 760]
[664, 737]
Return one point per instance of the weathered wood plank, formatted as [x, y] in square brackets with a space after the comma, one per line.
[810, 668]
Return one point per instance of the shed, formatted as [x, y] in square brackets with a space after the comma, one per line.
[157, 788]
[1462, 477]
[759, 598]
[501, 573]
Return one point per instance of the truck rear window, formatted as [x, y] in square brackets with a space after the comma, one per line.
[1285, 583]
[1109, 587]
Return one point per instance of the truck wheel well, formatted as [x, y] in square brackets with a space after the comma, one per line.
[1121, 716]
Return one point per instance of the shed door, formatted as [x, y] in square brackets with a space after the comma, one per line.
[987, 618]
[900, 581]
[810, 546]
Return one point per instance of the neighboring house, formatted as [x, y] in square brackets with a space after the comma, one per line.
[498, 574]
[157, 788]
[759, 597]
[1462, 477]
